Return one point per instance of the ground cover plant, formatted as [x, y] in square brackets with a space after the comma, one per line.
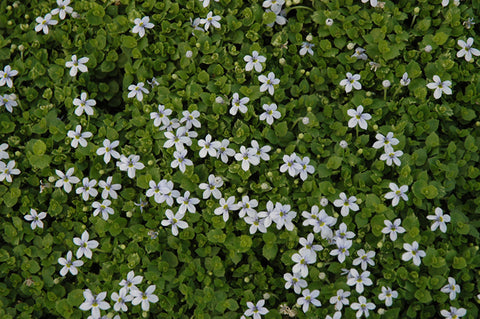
[235, 159]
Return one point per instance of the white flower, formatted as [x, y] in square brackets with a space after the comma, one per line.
[268, 82]
[283, 216]
[84, 105]
[141, 25]
[351, 81]
[273, 4]
[66, 179]
[413, 252]
[346, 204]
[247, 206]
[309, 298]
[161, 116]
[212, 187]
[440, 220]
[296, 281]
[452, 288]
[405, 81]
[359, 54]
[43, 23]
[358, 117]
[163, 191]
[343, 245]
[386, 84]
[103, 208]
[340, 299]
[308, 246]
[175, 220]
[108, 150]
[130, 164]
[270, 113]
[257, 222]
[440, 87]
[211, 20]
[153, 83]
[120, 299]
[343, 144]
[454, 313]
[393, 228]
[254, 60]
[109, 189]
[397, 193]
[343, 233]
[385, 141]
[190, 119]
[358, 280]
[7, 170]
[387, 295]
[305, 167]
[3, 154]
[62, 9]
[280, 16]
[35, 218]
[329, 22]
[171, 125]
[78, 137]
[137, 91]
[302, 260]
[131, 281]
[261, 152]
[187, 203]
[306, 47]
[177, 139]
[208, 147]
[445, 3]
[87, 189]
[224, 151]
[247, 156]
[364, 259]
[8, 100]
[225, 207]
[76, 65]
[291, 165]
[391, 156]
[362, 305]
[181, 161]
[320, 221]
[85, 245]
[256, 310]
[467, 49]
[69, 265]
[238, 104]
[205, 3]
[6, 76]
[94, 302]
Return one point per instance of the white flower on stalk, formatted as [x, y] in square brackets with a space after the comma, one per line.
[78, 137]
[362, 305]
[8, 100]
[137, 91]
[359, 54]
[274, 5]
[256, 310]
[109, 189]
[66, 180]
[414, 252]
[343, 233]
[308, 246]
[44, 22]
[6, 76]
[305, 167]
[225, 207]
[187, 203]
[364, 258]
[309, 298]
[85, 245]
[161, 116]
[254, 61]
[87, 189]
[76, 65]
[108, 150]
[467, 49]
[131, 281]
[387, 294]
[177, 139]
[247, 206]
[280, 16]
[141, 25]
[208, 147]
[440, 220]
[393, 228]
[302, 260]
[440, 87]
[343, 245]
[212, 187]
[386, 142]
[190, 119]
[210, 19]
[391, 157]
[180, 160]
[130, 164]
[239, 104]
[359, 280]
[224, 151]
[7, 170]
[452, 288]
[69, 265]
[35, 218]
[282, 215]
[84, 105]
[3, 148]
[347, 204]
[247, 156]
[306, 48]
[397, 193]
[62, 9]
[270, 113]
[94, 302]
[351, 81]
[175, 220]
[257, 222]
[261, 152]
[358, 117]
[103, 208]
[268, 82]
[296, 281]
[120, 299]
[291, 165]
[340, 299]
[405, 81]
[454, 313]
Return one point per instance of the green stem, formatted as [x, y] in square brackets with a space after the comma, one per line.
[298, 7]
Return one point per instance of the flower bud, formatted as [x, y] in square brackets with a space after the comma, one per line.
[343, 144]
[381, 311]
[281, 61]
[129, 214]
[360, 151]
[350, 46]
[305, 120]
[416, 10]
[375, 127]
[309, 109]
[266, 296]
[278, 150]
[75, 15]
[174, 76]
[246, 279]
[386, 83]
[379, 244]
[150, 162]
[336, 215]
[477, 123]
[296, 1]
[322, 276]
[85, 208]
[269, 174]
[240, 189]
[56, 281]
[144, 314]
[301, 136]
[189, 54]
[309, 37]
[51, 179]
[9, 8]
[21, 47]
[428, 48]
[219, 100]
[122, 246]
[329, 22]
[264, 186]
[324, 201]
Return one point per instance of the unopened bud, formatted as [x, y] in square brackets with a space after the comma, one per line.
[343, 144]
[129, 214]
[189, 54]
[375, 127]
[281, 61]
[122, 246]
[386, 83]
[381, 311]
[75, 15]
[416, 10]
[305, 120]
[477, 123]
[219, 100]
[360, 151]
[324, 201]
[266, 296]
[329, 22]
[240, 189]
[428, 48]
[246, 279]
[322, 275]
[174, 76]
[309, 37]
[350, 45]
[301, 136]
[51, 179]
[279, 150]
[380, 244]
[150, 162]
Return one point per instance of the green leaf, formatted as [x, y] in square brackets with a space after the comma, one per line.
[430, 191]
[39, 161]
[281, 129]
[269, 251]
[39, 147]
[216, 236]
[128, 41]
[440, 38]
[459, 263]
[269, 17]
[334, 162]
[423, 296]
